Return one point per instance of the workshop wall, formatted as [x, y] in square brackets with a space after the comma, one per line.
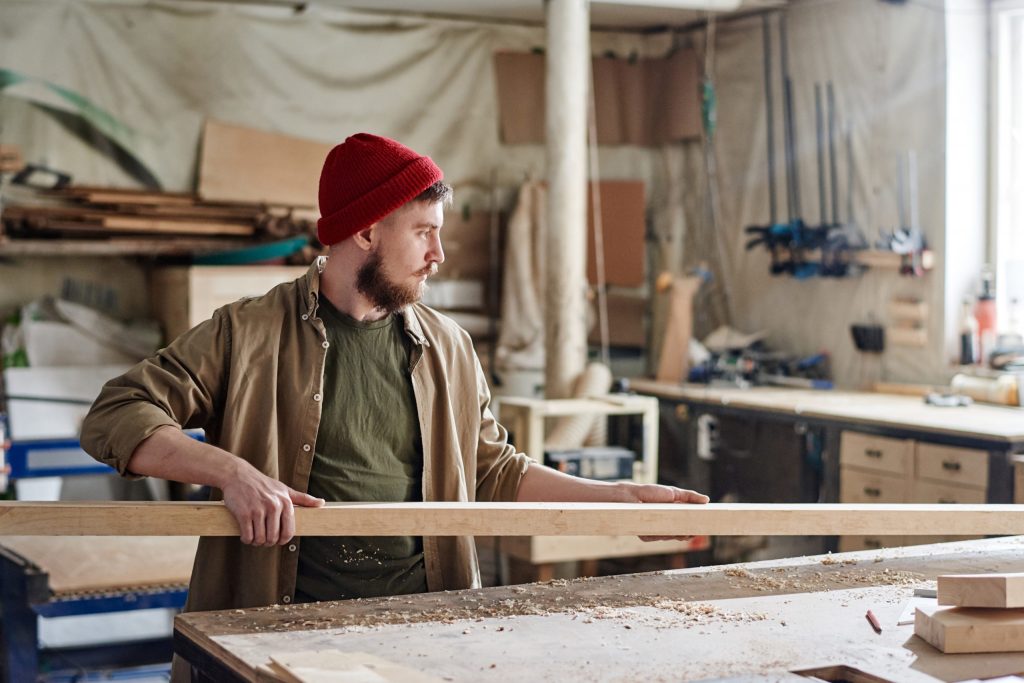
[320, 73]
[887, 63]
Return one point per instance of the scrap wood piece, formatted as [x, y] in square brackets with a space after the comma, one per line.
[959, 630]
[129, 518]
[238, 163]
[333, 666]
[981, 590]
[11, 159]
[78, 219]
[98, 194]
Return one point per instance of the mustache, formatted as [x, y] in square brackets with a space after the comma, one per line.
[429, 270]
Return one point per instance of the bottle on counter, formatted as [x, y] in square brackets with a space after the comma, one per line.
[968, 335]
[985, 314]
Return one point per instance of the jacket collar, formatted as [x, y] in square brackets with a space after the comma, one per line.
[310, 288]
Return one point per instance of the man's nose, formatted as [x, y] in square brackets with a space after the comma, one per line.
[437, 251]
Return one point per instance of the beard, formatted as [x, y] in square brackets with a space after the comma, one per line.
[383, 292]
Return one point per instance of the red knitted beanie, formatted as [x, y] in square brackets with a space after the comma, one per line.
[364, 179]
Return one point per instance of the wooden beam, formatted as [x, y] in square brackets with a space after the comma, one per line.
[518, 519]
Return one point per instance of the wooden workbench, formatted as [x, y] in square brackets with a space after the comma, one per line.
[987, 426]
[764, 618]
[998, 430]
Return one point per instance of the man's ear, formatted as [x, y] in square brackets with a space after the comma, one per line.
[365, 237]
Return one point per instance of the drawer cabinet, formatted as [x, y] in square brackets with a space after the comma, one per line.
[949, 465]
[931, 492]
[874, 469]
[876, 453]
[860, 486]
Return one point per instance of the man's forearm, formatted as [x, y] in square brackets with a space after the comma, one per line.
[169, 453]
[541, 483]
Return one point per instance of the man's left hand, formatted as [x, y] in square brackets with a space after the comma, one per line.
[657, 493]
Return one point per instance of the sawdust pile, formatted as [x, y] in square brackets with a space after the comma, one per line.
[769, 580]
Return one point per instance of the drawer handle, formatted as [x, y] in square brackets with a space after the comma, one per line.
[868, 491]
[951, 465]
[873, 453]
[947, 501]
[873, 543]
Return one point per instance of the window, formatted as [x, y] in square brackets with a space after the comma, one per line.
[1008, 158]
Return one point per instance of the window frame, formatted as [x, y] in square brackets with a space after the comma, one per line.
[1005, 16]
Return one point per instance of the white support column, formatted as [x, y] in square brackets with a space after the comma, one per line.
[568, 79]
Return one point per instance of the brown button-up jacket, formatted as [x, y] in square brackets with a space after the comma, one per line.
[252, 377]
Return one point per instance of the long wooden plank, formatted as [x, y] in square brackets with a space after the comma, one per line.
[518, 519]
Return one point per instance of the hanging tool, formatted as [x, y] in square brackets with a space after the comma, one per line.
[774, 236]
[792, 237]
[907, 240]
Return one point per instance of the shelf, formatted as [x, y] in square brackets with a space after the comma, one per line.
[878, 258]
[116, 247]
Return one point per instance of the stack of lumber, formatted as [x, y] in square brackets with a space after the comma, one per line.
[89, 212]
[975, 613]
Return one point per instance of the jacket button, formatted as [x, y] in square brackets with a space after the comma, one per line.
[286, 599]
[316, 397]
[326, 344]
[291, 548]
[305, 447]
[305, 317]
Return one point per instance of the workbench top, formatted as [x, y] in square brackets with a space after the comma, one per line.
[759, 618]
[1001, 423]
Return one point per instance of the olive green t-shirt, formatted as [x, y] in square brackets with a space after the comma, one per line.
[368, 448]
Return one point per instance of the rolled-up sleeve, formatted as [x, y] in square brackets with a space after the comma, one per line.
[499, 467]
[182, 385]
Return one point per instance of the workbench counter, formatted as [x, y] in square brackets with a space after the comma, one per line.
[927, 434]
[760, 618]
[989, 423]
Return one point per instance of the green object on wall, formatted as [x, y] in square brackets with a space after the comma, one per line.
[708, 106]
[59, 100]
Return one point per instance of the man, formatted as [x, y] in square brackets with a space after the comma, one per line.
[337, 386]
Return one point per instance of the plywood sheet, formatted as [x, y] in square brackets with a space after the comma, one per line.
[244, 164]
[623, 227]
[520, 84]
[90, 564]
[336, 666]
[982, 590]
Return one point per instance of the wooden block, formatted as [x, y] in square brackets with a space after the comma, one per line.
[674, 361]
[124, 518]
[971, 629]
[982, 590]
[11, 159]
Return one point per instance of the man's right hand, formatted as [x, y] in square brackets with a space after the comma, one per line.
[263, 507]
